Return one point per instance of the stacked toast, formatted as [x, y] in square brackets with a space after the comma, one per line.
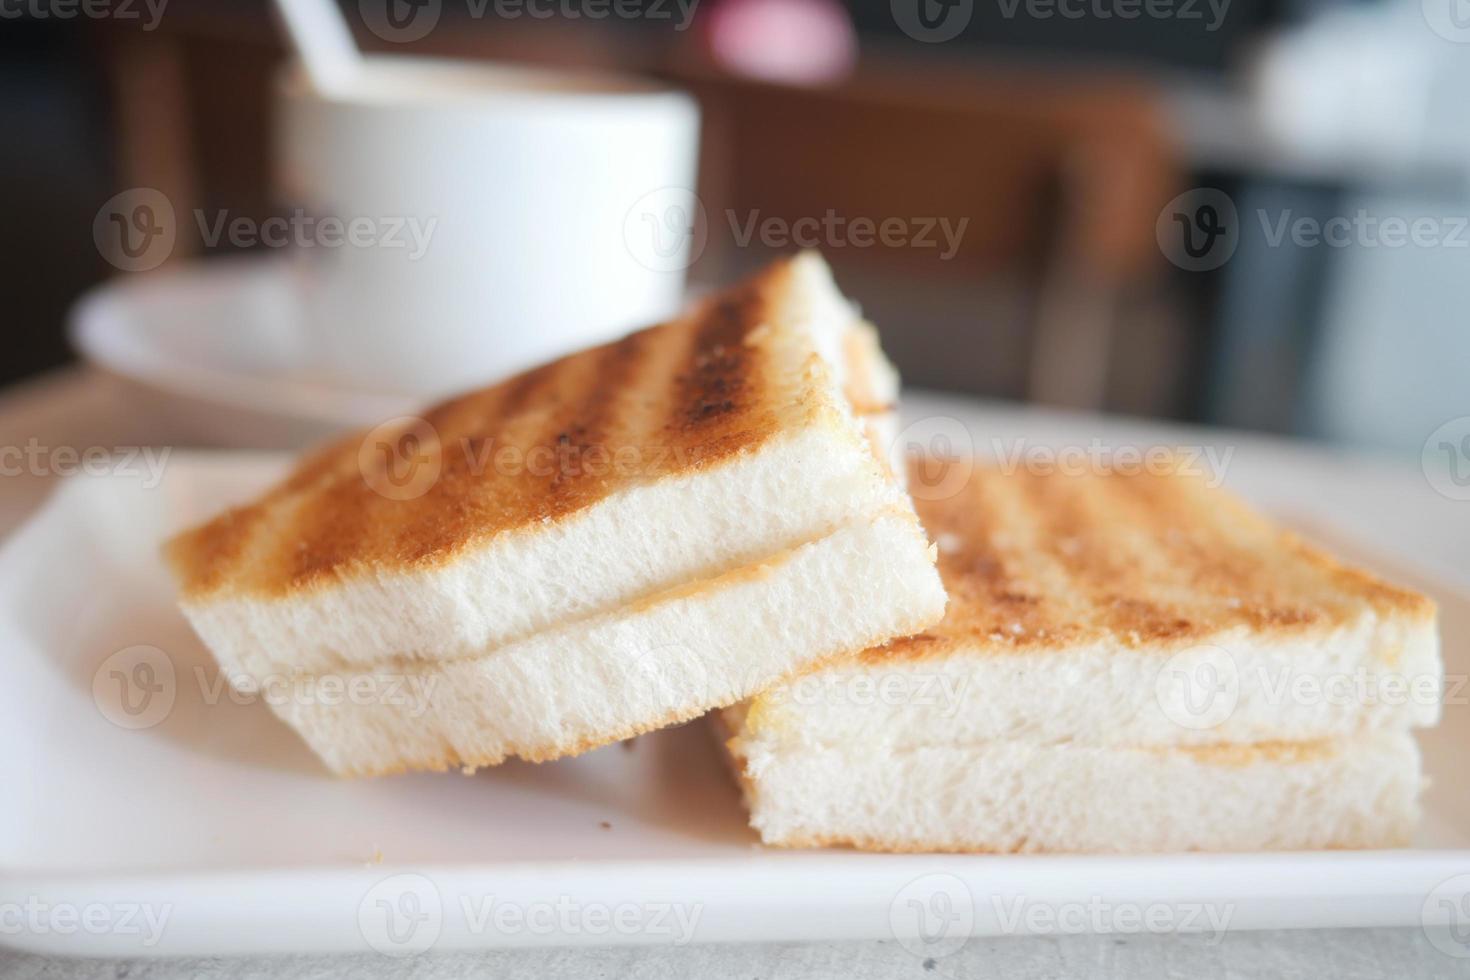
[1130, 662]
[709, 516]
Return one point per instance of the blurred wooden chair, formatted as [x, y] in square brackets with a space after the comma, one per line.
[1061, 179]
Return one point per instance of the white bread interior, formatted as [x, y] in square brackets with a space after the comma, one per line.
[1288, 687]
[1358, 792]
[570, 688]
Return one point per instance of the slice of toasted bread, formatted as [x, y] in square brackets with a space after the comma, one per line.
[1015, 796]
[1128, 663]
[1116, 609]
[676, 454]
[654, 663]
[478, 607]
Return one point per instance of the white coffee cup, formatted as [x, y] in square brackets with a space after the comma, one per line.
[482, 217]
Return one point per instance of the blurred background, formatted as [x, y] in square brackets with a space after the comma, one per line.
[1240, 212]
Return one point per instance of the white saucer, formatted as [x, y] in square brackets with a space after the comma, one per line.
[212, 352]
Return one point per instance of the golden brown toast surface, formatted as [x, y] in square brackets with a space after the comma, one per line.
[527, 452]
[1034, 561]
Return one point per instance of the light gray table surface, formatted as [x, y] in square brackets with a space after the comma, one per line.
[76, 407]
[1339, 954]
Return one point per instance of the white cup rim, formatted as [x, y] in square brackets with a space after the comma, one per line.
[392, 81]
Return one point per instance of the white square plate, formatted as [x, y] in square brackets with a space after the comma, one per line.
[195, 824]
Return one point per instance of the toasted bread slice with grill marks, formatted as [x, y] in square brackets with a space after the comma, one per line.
[1091, 607]
[1129, 662]
[574, 496]
[677, 453]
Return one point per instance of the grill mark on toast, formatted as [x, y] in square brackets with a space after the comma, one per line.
[1111, 547]
[581, 477]
[644, 411]
[715, 408]
[350, 521]
[221, 551]
[1236, 568]
[1048, 561]
[700, 389]
[480, 490]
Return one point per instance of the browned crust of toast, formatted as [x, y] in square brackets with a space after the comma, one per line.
[1047, 561]
[672, 399]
